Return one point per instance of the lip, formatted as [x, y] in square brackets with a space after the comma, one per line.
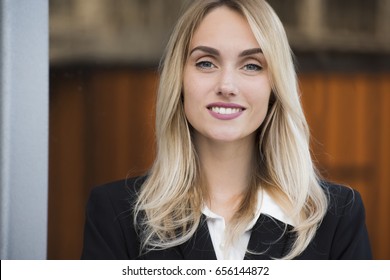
[225, 105]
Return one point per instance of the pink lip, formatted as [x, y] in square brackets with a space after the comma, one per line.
[225, 105]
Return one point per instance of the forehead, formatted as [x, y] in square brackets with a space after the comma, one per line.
[224, 26]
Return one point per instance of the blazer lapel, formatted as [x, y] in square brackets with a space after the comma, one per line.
[270, 239]
[200, 246]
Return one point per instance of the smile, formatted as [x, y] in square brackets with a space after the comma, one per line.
[225, 111]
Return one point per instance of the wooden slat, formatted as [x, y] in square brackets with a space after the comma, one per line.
[382, 224]
[67, 168]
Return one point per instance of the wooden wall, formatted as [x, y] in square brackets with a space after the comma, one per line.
[101, 129]
[350, 122]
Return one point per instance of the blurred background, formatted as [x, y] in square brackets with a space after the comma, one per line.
[103, 78]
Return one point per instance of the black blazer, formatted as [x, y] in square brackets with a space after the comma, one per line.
[109, 232]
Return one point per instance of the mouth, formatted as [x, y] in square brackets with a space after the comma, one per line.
[225, 108]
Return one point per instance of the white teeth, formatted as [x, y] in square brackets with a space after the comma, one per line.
[225, 111]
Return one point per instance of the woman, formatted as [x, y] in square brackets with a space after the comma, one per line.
[233, 176]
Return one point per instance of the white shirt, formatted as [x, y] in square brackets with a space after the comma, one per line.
[216, 225]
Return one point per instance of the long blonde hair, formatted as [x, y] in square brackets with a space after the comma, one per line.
[168, 209]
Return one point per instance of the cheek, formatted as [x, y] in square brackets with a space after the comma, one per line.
[187, 107]
[193, 91]
[260, 100]
[188, 84]
[259, 93]
[264, 103]
[189, 99]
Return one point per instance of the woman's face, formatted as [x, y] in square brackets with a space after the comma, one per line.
[226, 83]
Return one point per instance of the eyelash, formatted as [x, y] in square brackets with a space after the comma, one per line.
[208, 65]
[201, 64]
[257, 67]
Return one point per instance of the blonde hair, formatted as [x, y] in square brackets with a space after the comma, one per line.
[168, 209]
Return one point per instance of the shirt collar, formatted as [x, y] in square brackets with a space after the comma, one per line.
[265, 205]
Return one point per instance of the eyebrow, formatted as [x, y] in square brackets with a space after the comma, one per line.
[205, 49]
[215, 52]
[251, 52]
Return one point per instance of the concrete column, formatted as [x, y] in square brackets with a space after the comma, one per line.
[23, 128]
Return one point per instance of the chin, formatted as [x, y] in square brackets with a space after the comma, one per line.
[226, 137]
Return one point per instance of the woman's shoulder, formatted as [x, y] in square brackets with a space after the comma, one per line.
[341, 197]
[335, 188]
[114, 200]
[342, 233]
[119, 196]
[125, 188]
[109, 232]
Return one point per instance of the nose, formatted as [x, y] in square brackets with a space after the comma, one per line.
[227, 83]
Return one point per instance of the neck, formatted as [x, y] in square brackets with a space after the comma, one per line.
[227, 171]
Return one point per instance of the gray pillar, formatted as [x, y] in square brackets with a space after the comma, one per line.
[23, 128]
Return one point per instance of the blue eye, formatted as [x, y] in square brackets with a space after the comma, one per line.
[205, 65]
[252, 67]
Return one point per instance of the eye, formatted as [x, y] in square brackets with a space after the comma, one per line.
[252, 67]
[205, 65]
